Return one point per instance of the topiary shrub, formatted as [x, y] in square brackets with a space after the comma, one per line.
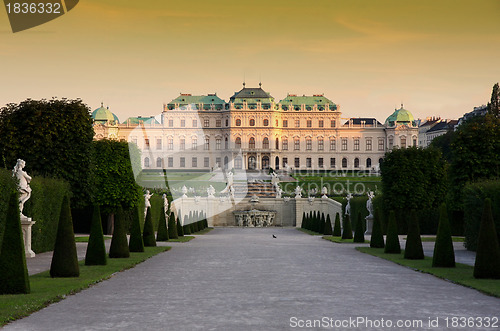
[148, 234]
[64, 259]
[13, 271]
[162, 233]
[119, 244]
[444, 255]
[180, 228]
[186, 228]
[328, 226]
[136, 244]
[96, 251]
[377, 238]
[359, 234]
[302, 225]
[487, 263]
[172, 227]
[337, 231]
[392, 241]
[413, 247]
[346, 229]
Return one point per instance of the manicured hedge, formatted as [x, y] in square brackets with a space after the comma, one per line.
[7, 187]
[474, 196]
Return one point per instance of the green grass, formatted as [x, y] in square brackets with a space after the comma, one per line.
[85, 239]
[181, 239]
[433, 239]
[462, 274]
[204, 231]
[46, 290]
[339, 240]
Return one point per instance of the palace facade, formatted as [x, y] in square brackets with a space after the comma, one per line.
[252, 131]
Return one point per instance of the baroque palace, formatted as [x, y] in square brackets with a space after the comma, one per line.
[252, 132]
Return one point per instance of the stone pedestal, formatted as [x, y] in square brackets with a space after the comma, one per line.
[26, 224]
[369, 224]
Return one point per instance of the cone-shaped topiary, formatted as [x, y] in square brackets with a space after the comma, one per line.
[186, 227]
[413, 247]
[444, 255]
[303, 220]
[337, 231]
[96, 251]
[487, 263]
[392, 241]
[136, 244]
[119, 244]
[192, 228]
[347, 229]
[359, 235]
[180, 228]
[13, 271]
[148, 234]
[322, 224]
[172, 227]
[377, 238]
[328, 226]
[65, 260]
[162, 233]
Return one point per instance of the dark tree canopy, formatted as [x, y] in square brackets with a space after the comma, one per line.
[54, 138]
[494, 104]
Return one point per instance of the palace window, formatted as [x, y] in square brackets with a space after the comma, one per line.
[238, 164]
[183, 123]
[194, 143]
[308, 162]
[320, 144]
[265, 143]
[332, 162]
[297, 123]
[171, 123]
[237, 142]
[170, 162]
[296, 144]
[277, 145]
[251, 143]
[332, 123]
[308, 144]
[309, 123]
[344, 163]
[226, 143]
[159, 163]
[380, 144]
[238, 122]
[218, 123]
[207, 144]
[170, 145]
[206, 162]
[368, 144]
[320, 123]
[183, 162]
[206, 122]
[146, 143]
[158, 144]
[285, 161]
[356, 163]
[252, 122]
[297, 162]
[266, 122]
[195, 123]
[391, 142]
[227, 122]
[356, 144]
[403, 142]
[333, 145]
[368, 163]
[284, 144]
[194, 162]
[183, 144]
[277, 123]
[320, 162]
[218, 144]
[414, 141]
[217, 160]
[344, 144]
[285, 123]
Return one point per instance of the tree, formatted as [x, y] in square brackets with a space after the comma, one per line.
[443, 256]
[13, 271]
[392, 241]
[162, 233]
[337, 231]
[302, 225]
[377, 238]
[136, 244]
[180, 228]
[413, 248]
[54, 137]
[494, 104]
[148, 234]
[65, 259]
[347, 229]
[96, 250]
[487, 264]
[359, 235]
[172, 227]
[328, 226]
[119, 244]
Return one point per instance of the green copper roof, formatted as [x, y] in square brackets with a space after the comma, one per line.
[187, 99]
[145, 120]
[251, 95]
[400, 116]
[308, 101]
[104, 115]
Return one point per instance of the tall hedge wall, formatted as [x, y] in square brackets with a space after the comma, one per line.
[7, 186]
[474, 195]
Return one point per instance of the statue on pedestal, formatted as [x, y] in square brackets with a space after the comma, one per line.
[23, 184]
[324, 192]
[348, 206]
[211, 191]
[298, 192]
[147, 204]
[369, 203]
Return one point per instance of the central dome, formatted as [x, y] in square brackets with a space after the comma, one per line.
[400, 116]
[103, 115]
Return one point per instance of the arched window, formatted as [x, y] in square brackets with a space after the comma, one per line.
[237, 163]
[252, 122]
[238, 122]
[368, 163]
[277, 145]
[344, 163]
[146, 162]
[356, 163]
[159, 163]
[266, 122]
[403, 142]
[265, 143]
[251, 143]
[237, 142]
[226, 143]
[380, 161]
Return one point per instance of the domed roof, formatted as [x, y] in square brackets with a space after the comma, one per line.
[102, 114]
[400, 116]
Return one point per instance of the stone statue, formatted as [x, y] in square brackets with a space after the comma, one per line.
[184, 190]
[230, 178]
[324, 192]
[211, 191]
[279, 191]
[231, 191]
[298, 192]
[147, 204]
[165, 203]
[274, 179]
[23, 184]
[348, 206]
[369, 203]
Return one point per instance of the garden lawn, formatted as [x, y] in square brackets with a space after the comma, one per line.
[85, 239]
[181, 239]
[461, 274]
[204, 231]
[46, 290]
[339, 240]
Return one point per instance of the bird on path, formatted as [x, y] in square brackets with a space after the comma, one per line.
[274, 236]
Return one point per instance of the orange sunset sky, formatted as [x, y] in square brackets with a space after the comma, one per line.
[437, 57]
